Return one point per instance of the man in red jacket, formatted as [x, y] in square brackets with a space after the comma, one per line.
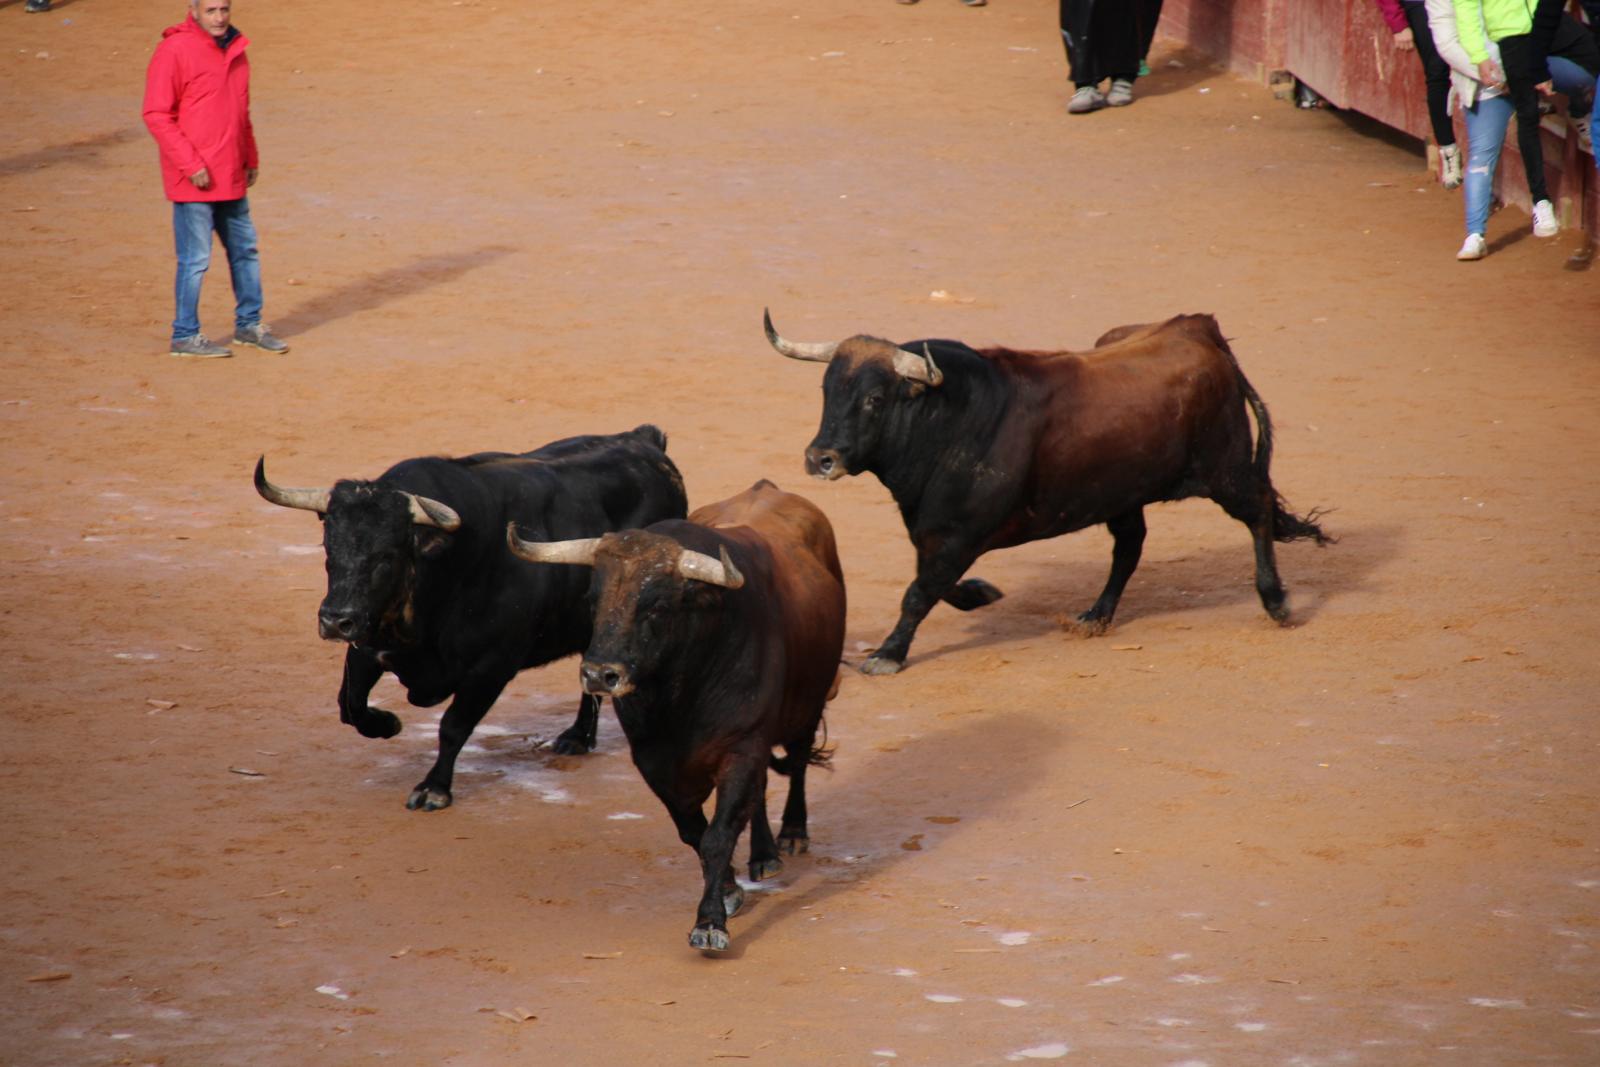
[197, 106]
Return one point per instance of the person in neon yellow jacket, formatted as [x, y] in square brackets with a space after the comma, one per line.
[1527, 33]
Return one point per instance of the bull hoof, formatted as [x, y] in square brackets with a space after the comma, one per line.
[428, 798]
[379, 724]
[881, 665]
[793, 844]
[572, 743]
[972, 594]
[1091, 625]
[708, 938]
[760, 870]
[1279, 612]
[732, 898]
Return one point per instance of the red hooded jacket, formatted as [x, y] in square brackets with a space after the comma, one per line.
[197, 106]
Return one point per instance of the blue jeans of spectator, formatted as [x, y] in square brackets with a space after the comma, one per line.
[193, 224]
[1486, 136]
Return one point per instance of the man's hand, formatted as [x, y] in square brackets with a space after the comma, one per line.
[250, 176]
[1489, 73]
[201, 178]
[1546, 88]
[1405, 40]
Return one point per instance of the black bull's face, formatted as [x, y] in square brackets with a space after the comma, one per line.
[372, 546]
[858, 402]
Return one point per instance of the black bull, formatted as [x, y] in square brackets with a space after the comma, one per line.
[420, 582]
[994, 448]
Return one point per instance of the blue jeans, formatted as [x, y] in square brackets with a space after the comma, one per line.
[1486, 135]
[192, 226]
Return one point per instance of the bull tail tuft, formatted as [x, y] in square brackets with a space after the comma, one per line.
[1286, 525]
[818, 755]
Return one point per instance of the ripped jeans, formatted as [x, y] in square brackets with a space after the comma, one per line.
[1486, 135]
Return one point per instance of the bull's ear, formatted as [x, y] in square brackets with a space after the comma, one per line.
[431, 542]
[915, 389]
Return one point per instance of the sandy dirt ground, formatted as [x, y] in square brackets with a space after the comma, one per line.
[1366, 839]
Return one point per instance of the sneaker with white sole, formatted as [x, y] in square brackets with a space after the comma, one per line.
[1474, 247]
[1121, 94]
[199, 346]
[1544, 219]
[1450, 166]
[259, 336]
[1085, 100]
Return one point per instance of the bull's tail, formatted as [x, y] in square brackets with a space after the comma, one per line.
[651, 434]
[1286, 525]
[819, 754]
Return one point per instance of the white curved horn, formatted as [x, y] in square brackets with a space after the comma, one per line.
[304, 499]
[428, 512]
[918, 368]
[700, 567]
[814, 351]
[579, 552]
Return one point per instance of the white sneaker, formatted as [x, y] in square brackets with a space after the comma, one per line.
[1450, 166]
[1085, 100]
[1544, 219]
[1474, 247]
[1121, 94]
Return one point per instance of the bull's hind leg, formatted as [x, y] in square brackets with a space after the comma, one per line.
[793, 837]
[1127, 532]
[971, 594]
[764, 859]
[584, 732]
[1254, 506]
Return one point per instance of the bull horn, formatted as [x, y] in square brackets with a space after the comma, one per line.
[918, 368]
[429, 512]
[580, 552]
[700, 567]
[304, 499]
[814, 351]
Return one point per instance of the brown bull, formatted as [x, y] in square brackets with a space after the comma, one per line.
[985, 449]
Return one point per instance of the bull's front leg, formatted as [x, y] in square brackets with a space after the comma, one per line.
[937, 573]
[584, 732]
[361, 673]
[736, 798]
[472, 701]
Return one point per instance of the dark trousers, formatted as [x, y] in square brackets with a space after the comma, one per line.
[1435, 70]
[1524, 58]
[1106, 38]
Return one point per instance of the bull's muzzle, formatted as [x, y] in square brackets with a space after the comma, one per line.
[336, 625]
[824, 463]
[605, 679]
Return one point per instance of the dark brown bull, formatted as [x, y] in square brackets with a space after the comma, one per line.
[717, 639]
[985, 449]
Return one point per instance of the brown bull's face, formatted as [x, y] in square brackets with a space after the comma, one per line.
[371, 543]
[646, 614]
[858, 395]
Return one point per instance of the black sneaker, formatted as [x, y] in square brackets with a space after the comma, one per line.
[35, 6]
[259, 336]
[199, 346]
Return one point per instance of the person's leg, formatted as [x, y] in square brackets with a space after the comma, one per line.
[191, 231]
[1575, 83]
[1435, 71]
[1486, 135]
[1516, 53]
[1075, 18]
[1118, 46]
[238, 234]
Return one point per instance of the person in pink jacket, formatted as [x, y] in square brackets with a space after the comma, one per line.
[197, 106]
[1408, 21]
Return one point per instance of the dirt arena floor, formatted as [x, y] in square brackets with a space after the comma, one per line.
[1366, 839]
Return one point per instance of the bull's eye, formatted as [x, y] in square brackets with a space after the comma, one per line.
[873, 402]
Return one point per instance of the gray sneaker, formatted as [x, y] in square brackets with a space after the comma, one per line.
[1085, 100]
[200, 346]
[1121, 94]
[259, 336]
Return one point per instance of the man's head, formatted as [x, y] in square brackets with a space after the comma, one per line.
[212, 15]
